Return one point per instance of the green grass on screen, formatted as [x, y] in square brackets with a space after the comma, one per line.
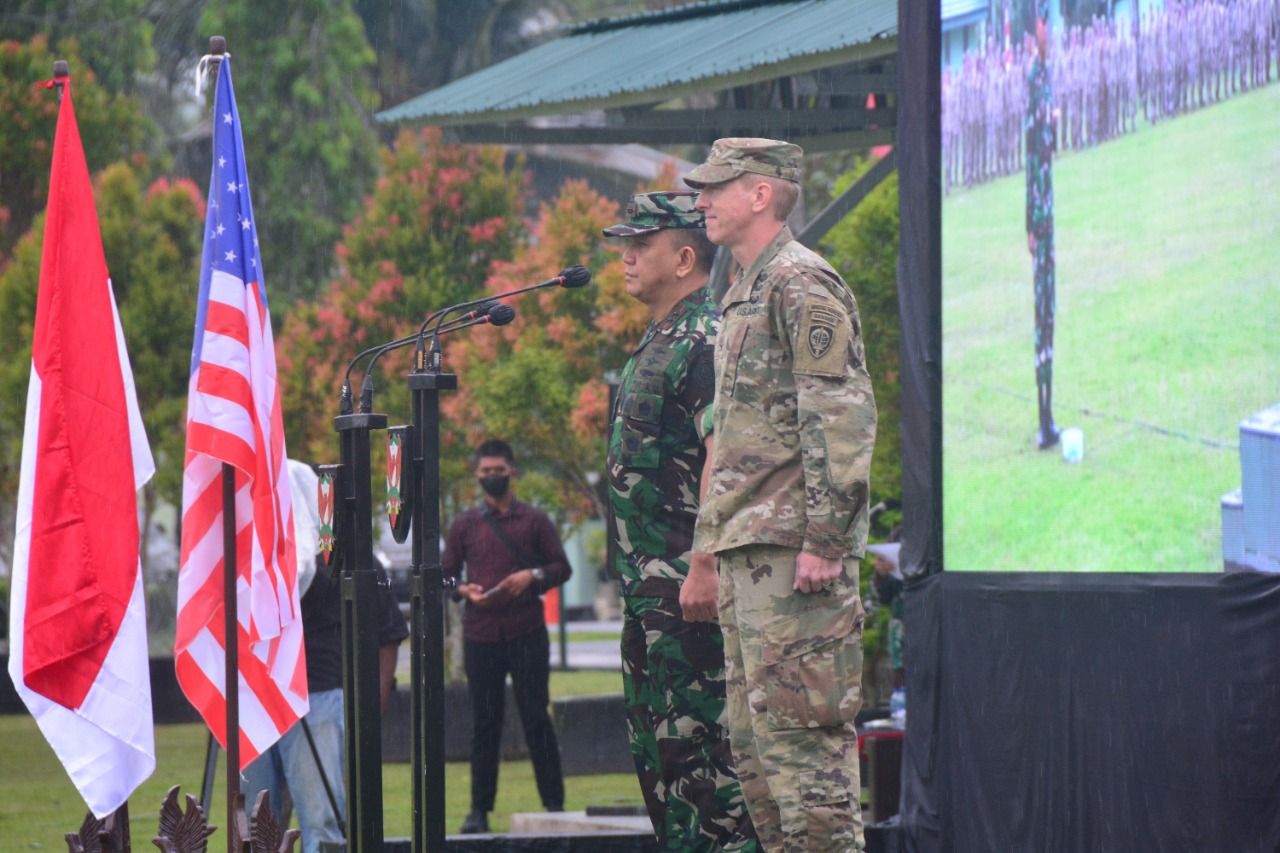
[1168, 296]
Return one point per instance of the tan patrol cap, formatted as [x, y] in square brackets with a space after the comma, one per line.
[737, 155]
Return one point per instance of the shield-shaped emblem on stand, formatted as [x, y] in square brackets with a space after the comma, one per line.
[399, 489]
[395, 459]
[326, 490]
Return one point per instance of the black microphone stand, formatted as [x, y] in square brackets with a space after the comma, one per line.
[353, 527]
[426, 710]
[421, 502]
[353, 519]
[426, 590]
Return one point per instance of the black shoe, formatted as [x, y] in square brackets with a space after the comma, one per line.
[1046, 440]
[476, 822]
[556, 807]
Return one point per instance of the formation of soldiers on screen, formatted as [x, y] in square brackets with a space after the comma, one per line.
[1104, 75]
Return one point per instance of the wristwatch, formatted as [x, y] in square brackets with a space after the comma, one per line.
[538, 574]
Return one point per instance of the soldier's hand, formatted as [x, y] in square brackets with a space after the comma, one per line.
[699, 590]
[814, 573]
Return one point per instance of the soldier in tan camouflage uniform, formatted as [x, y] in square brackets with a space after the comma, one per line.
[786, 509]
[672, 669]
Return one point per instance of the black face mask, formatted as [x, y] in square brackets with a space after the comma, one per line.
[496, 485]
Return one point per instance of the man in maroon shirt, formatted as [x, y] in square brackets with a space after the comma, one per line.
[512, 553]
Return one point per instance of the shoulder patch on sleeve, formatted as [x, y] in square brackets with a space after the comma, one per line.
[823, 348]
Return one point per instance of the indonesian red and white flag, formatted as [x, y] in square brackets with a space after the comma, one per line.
[78, 628]
[234, 417]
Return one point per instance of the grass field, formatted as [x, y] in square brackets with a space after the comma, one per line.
[593, 636]
[1168, 296]
[38, 802]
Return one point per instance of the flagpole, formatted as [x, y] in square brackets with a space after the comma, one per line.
[232, 655]
[231, 629]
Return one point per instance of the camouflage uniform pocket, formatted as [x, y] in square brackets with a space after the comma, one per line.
[828, 810]
[728, 351]
[813, 678]
[641, 429]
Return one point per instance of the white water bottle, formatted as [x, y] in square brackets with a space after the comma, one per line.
[898, 706]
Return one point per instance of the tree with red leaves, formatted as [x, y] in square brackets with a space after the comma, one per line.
[539, 382]
[438, 217]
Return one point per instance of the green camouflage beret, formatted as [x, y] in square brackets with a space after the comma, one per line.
[735, 155]
[649, 212]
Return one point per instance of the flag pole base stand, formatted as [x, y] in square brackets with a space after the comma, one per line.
[182, 831]
[186, 831]
[110, 835]
[269, 835]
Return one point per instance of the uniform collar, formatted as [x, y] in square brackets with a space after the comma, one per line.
[690, 303]
[675, 317]
[743, 286]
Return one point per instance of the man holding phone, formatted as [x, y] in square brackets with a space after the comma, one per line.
[512, 554]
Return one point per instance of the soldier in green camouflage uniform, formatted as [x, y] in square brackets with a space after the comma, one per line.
[673, 669]
[786, 509]
[1040, 137]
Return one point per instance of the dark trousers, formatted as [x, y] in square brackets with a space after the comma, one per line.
[527, 660]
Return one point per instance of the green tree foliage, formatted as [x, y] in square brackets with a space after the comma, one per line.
[436, 220]
[302, 86]
[114, 36]
[863, 248]
[423, 44]
[151, 238]
[111, 128]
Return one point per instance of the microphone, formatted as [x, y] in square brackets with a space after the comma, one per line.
[574, 276]
[569, 277]
[495, 313]
[344, 399]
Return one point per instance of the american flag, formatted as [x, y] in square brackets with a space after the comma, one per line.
[233, 416]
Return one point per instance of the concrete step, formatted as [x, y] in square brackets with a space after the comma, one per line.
[578, 823]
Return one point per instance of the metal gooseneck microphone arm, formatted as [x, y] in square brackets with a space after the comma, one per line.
[493, 313]
[344, 400]
[569, 277]
[575, 276]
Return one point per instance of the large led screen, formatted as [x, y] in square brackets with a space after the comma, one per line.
[1111, 285]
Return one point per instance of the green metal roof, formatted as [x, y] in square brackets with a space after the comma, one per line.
[656, 56]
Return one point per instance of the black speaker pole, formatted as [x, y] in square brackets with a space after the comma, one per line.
[354, 519]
